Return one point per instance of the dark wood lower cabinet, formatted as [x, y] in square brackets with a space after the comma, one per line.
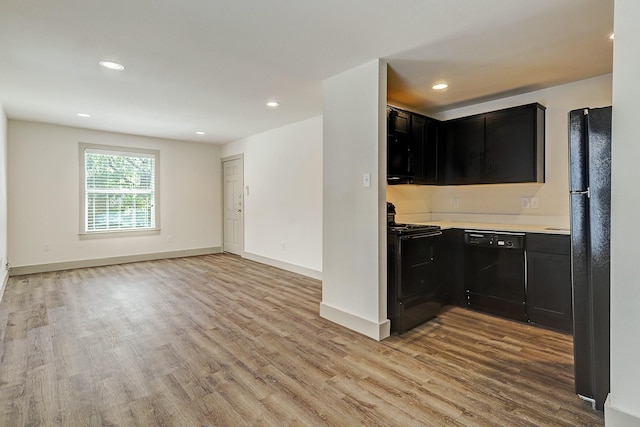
[549, 281]
[548, 291]
[454, 266]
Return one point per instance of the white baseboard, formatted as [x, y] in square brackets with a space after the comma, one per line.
[314, 274]
[69, 265]
[4, 284]
[375, 330]
[614, 417]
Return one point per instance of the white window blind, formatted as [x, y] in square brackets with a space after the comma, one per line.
[119, 190]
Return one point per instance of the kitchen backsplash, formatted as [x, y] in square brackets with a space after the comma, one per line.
[498, 203]
[413, 202]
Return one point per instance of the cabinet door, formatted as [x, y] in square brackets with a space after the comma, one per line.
[418, 126]
[424, 147]
[452, 266]
[400, 163]
[399, 121]
[512, 145]
[430, 156]
[549, 281]
[399, 160]
[412, 151]
[465, 151]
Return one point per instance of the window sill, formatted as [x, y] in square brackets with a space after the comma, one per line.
[118, 233]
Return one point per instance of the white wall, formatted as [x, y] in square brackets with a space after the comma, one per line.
[480, 202]
[3, 199]
[283, 171]
[354, 236]
[623, 407]
[43, 194]
[412, 202]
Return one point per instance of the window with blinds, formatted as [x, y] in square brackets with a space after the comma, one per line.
[119, 189]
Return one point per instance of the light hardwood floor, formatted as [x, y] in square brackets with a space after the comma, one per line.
[218, 340]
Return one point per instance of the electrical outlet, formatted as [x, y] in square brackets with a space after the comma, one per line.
[455, 202]
[535, 203]
[170, 238]
[282, 245]
[47, 247]
[524, 202]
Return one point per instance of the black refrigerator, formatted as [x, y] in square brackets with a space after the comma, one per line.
[590, 192]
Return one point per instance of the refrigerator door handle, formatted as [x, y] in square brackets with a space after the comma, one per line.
[581, 192]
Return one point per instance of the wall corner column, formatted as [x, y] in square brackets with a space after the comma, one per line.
[354, 228]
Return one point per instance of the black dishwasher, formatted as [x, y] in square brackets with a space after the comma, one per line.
[494, 271]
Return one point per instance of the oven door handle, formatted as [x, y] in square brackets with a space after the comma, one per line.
[421, 235]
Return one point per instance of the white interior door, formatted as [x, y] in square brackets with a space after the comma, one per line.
[233, 216]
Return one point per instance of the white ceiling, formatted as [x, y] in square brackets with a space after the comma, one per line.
[211, 65]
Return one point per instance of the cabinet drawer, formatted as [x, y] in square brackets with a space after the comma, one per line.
[549, 243]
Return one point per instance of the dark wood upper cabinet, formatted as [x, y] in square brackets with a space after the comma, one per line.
[505, 146]
[417, 135]
[399, 122]
[431, 154]
[400, 153]
[465, 148]
[515, 144]
[412, 152]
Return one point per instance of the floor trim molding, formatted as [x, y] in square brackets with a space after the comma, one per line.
[314, 274]
[375, 330]
[614, 417]
[69, 265]
[4, 285]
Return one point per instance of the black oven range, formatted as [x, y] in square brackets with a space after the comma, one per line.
[415, 290]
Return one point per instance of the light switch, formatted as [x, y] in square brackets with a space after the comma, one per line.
[366, 180]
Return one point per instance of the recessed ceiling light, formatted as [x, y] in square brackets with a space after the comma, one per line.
[612, 36]
[440, 86]
[272, 104]
[112, 65]
[199, 133]
[83, 115]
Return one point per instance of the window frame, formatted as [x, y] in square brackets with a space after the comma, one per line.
[124, 151]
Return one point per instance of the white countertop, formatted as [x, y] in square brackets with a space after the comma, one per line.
[521, 228]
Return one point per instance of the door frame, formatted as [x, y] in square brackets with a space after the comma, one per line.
[222, 160]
